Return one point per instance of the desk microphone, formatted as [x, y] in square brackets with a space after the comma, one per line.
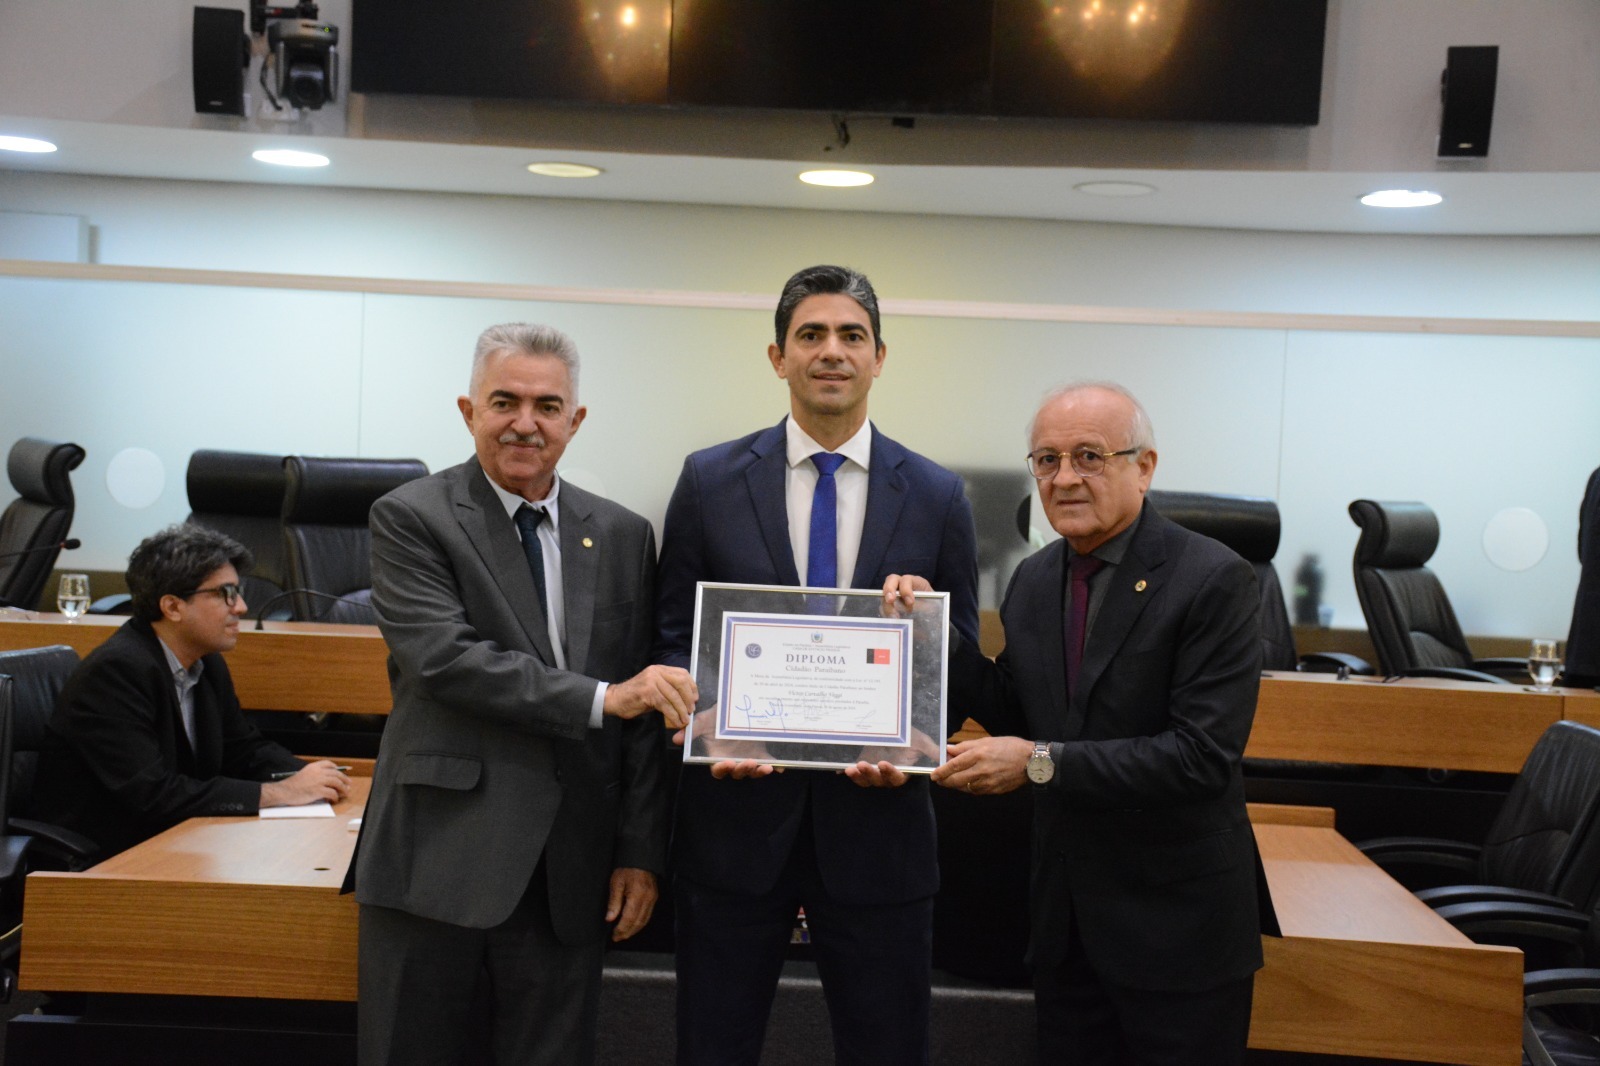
[61, 545]
[287, 594]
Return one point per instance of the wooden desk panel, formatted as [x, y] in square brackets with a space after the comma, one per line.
[1456, 725]
[1365, 968]
[244, 907]
[288, 666]
[212, 907]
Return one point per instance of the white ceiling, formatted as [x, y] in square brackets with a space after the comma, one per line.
[1475, 203]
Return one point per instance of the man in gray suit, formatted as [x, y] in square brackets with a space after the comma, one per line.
[518, 804]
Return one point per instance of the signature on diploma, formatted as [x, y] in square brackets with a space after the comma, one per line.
[770, 712]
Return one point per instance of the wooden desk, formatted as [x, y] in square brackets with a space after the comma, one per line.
[1456, 725]
[212, 907]
[1365, 968]
[244, 907]
[288, 666]
[1426, 722]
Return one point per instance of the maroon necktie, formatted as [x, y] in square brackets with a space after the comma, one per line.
[1079, 569]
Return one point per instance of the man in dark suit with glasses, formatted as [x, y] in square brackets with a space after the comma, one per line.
[148, 731]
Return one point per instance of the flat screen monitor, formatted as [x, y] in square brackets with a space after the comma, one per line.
[1254, 61]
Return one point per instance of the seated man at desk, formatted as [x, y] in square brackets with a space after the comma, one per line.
[148, 731]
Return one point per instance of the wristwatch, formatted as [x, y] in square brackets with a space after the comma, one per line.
[1041, 767]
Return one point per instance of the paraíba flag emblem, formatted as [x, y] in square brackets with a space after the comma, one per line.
[878, 656]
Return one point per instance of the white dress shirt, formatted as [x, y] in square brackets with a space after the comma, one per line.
[850, 481]
[555, 607]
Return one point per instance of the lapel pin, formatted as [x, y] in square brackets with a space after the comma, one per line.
[1140, 586]
[587, 543]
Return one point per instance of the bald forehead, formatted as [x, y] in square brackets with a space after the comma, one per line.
[1089, 410]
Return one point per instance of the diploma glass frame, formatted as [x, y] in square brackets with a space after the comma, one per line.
[818, 678]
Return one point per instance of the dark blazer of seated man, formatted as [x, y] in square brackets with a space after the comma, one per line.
[148, 731]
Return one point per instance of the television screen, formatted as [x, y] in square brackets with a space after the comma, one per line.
[1182, 60]
[1177, 60]
[926, 57]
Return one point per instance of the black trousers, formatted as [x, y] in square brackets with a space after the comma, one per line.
[874, 962]
[1085, 1022]
[428, 989]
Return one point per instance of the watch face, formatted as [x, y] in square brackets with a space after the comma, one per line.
[1041, 768]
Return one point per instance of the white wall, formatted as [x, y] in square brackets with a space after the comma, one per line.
[1468, 424]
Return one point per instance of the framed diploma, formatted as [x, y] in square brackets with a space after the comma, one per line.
[817, 678]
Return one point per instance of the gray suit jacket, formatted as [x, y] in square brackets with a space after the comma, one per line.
[487, 760]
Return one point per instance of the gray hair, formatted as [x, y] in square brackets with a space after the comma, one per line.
[1141, 432]
[523, 338]
[826, 281]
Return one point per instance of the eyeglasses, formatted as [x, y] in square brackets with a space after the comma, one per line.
[1086, 462]
[229, 593]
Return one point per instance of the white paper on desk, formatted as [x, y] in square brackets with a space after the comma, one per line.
[309, 810]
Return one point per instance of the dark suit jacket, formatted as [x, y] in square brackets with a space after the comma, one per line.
[1583, 639]
[488, 761]
[120, 769]
[1142, 836]
[728, 521]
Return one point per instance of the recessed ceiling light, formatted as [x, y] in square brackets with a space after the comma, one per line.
[289, 157]
[1115, 188]
[25, 144]
[565, 170]
[1401, 198]
[838, 179]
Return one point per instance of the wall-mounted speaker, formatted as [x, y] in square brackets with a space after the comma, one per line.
[1467, 87]
[221, 57]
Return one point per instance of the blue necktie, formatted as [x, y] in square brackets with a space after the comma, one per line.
[528, 520]
[822, 555]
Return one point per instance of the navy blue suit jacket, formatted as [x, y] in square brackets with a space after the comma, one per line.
[728, 521]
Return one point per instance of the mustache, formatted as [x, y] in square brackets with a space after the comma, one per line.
[511, 437]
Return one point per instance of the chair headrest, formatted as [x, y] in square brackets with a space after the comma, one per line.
[1250, 525]
[38, 470]
[237, 483]
[340, 492]
[1395, 536]
[38, 676]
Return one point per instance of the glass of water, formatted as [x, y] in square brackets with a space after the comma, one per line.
[72, 598]
[1543, 663]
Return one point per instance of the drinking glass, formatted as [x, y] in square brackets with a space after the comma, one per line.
[1543, 663]
[72, 598]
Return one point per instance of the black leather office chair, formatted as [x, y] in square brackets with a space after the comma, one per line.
[1583, 639]
[41, 516]
[37, 677]
[1409, 617]
[1543, 847]
[1251, 526]
[326, 540]
[241, 494]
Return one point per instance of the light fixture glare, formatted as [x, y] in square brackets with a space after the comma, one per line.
[24, 144]
[564, 170]
[1401, 198]
[1114, 189]
[837, 179]
[289, 157]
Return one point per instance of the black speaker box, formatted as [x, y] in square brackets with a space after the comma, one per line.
[221, 56]
[1468, 91]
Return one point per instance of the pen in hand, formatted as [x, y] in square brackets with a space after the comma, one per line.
[284, 775]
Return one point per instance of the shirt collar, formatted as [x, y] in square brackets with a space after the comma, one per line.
[858, 449]
[513, 503]
[184, 678]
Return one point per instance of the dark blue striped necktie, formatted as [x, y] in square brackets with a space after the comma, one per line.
[528, 520]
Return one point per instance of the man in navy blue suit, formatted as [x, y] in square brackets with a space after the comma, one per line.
[856, 850]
